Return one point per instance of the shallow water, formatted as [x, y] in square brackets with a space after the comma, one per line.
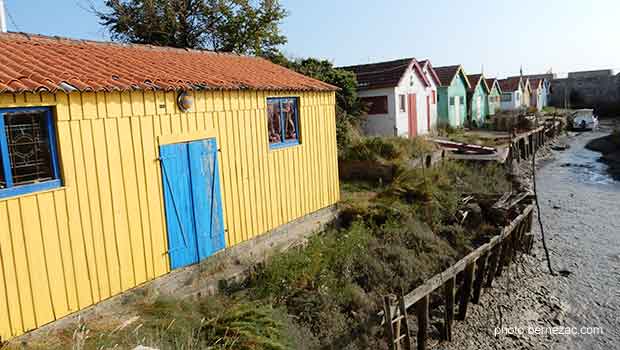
[580, 206]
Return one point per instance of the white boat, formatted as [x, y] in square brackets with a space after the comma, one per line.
[583, 119]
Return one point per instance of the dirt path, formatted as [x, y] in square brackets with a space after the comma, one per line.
[580, 205]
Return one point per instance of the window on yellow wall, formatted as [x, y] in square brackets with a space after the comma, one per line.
[283, 121]
[28, 151]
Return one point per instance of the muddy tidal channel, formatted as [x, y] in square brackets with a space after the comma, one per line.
[581, 215]
[580, 308]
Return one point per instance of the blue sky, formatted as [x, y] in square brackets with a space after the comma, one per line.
[499, 35]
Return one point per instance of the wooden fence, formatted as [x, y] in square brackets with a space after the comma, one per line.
[461, 283]
[524, 145]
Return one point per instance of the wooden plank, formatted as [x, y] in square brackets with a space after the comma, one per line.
[11, 318]
[387, 309]
[500, 260]
[468, 278]
[119, 205]
[421, 308]
[448, 291]
[35, 260]
[403, 313]
[132, 205]
[94, 204]
[106, 212]
[154, 189]
[53, 254]
[66, 250]
[81, 173]
[75, 225]
[481, 268]
[493, 266]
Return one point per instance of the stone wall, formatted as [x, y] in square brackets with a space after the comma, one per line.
[600, 93]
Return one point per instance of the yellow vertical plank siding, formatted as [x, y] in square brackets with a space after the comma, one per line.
[66, 249]
[52, 255]
[94, 203]
[72, 212]
[106, 211]
[104, 231]
[34, 254]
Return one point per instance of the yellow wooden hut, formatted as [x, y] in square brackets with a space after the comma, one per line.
[120, 163]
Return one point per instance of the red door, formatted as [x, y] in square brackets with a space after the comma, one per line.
[428, 113]
[413, 116]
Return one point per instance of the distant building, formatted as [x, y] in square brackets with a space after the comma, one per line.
[478, 99]
[601, 73]
[512, 93]
[495, 93]
[401, 94]
[540, 92]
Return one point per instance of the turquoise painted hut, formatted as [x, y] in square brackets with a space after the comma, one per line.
[452, 95]
[495, 93]
[477, 100]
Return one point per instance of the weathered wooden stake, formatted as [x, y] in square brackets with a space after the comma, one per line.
[421, 308]
[387, 312]
[480, 271]
[502, 256]
[406, 335]
[468, 279]
[448, 291]
[497, 251]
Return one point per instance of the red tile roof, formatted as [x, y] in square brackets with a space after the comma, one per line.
[509, 84]
[384, 74]
[491, 82]
[475, 79]
[431, 70]
[535, 83]
[31, 63]
[446, 74]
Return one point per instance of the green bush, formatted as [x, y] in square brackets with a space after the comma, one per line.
[390, 149]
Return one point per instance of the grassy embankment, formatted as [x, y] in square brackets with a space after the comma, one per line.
[392, 237]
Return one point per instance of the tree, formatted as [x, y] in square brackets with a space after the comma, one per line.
[236, 26]
[349, 109]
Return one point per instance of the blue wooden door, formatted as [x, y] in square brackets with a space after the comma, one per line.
[192, 201]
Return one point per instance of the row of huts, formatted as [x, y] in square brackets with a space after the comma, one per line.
[407, 97]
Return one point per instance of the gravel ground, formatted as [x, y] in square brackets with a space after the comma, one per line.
[581, 217]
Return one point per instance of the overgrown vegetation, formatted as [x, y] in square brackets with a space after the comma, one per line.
[460, 135]
[391, 238]
[387, 149]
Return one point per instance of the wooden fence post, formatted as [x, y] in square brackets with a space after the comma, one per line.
[495, 256]
[468, 278]
[421, 308]
[480, 272]
[448, 291]
[502, 257]
[403, 312]
[387, 313]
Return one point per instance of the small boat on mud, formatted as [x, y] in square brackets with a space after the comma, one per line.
[583, 119]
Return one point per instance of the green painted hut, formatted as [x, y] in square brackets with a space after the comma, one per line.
[477, 100]
[452, 95]
[495, 94]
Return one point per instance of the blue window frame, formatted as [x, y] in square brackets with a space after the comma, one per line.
[28, 151]
[283, 121]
